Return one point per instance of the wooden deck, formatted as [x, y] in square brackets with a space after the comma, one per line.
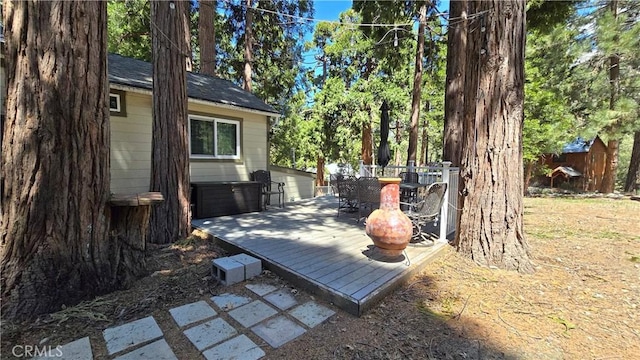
[330, 256]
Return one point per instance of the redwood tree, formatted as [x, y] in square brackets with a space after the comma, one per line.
[55, 157]
[417, 87]
[170, 220]
[634, 164]
[454, 95]
[491, 224]
[207, 37]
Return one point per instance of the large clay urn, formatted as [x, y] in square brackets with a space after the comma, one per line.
[388, 227]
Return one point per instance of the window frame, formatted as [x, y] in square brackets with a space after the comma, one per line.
[216, 121]
[121, 109]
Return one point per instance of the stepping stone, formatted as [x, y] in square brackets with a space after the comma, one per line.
[311, 313]
[190, 313]
[261, 289]
[252, 313]
[282, 299]
[278, 331]
[210, 333]
[131, 334]
[228, 301]
[240, 347]
[158, 350]
[77, 349]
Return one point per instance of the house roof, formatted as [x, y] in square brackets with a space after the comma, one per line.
[136, 73]
[578, 145]
[567, 170]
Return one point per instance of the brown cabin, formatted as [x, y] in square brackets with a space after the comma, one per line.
[582, 163]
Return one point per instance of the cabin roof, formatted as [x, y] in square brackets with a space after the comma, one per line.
[138, 73]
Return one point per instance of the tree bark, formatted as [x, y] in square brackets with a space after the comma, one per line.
[611, 166]
[55, 158]
[248, 44]
[634, 165]
[417, 88]
[207, 37]
[454, 93]
[170, 220]
[491, 223]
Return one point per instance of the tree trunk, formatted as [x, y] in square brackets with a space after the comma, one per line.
[248, 43]
[454, 96]
[417, 88]
[55, 158]
[320, 171]
[634, 165]
[611, 166]
[170, 220]
[491, 224]
[207, 37]
[528, 166]
[424, 148]
[367, 147]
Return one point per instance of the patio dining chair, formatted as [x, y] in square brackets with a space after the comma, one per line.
[269, 187]
[368, 194]
[408, 177]
[347, 193]
[425, 209]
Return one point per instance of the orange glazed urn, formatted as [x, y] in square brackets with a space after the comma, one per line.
[388, 227]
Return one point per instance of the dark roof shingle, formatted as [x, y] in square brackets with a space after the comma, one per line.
[136, 73]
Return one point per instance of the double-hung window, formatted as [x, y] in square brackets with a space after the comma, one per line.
[214, 138]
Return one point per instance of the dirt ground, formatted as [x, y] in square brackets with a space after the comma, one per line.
[581, 303]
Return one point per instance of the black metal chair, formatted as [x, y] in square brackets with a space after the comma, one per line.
[347, 191]
[368, 194]
[264, 177]
[408, 195]
[425, 209]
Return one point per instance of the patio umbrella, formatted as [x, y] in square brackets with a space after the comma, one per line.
[383, 150]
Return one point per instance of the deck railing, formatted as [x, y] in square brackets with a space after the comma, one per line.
[428, 175]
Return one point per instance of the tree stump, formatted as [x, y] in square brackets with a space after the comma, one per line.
[130, 215]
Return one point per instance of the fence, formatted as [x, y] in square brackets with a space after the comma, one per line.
[428, 175]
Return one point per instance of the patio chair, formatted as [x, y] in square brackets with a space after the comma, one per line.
[407, 195]
[264, 177]
[368, 194]
[425, 209]
[347, 191]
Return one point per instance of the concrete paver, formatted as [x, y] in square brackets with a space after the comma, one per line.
[240, 347]
[252, 313]
[191, 313]
[128, 335]
[228, 301]
[282, 299]
[261, 289]
[311, 313]
[158, 350]
[278, 331]
[210, 333]
[78, 349]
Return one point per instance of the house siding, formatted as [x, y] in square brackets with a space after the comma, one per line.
[299, 184]
[131, 146]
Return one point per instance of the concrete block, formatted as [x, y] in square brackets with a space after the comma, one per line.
[252, 266]
[228, 271]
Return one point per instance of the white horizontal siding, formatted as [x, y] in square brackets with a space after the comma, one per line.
[131, 146]
[131, 138]
[297, 186]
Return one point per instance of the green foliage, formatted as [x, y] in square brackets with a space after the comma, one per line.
[129, 28]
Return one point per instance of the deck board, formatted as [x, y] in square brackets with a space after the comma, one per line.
[309, 245]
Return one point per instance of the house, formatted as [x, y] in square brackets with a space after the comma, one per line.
[581, 163]
[228, 131]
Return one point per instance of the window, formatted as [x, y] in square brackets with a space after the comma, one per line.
[116, 103]
[213, 138]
